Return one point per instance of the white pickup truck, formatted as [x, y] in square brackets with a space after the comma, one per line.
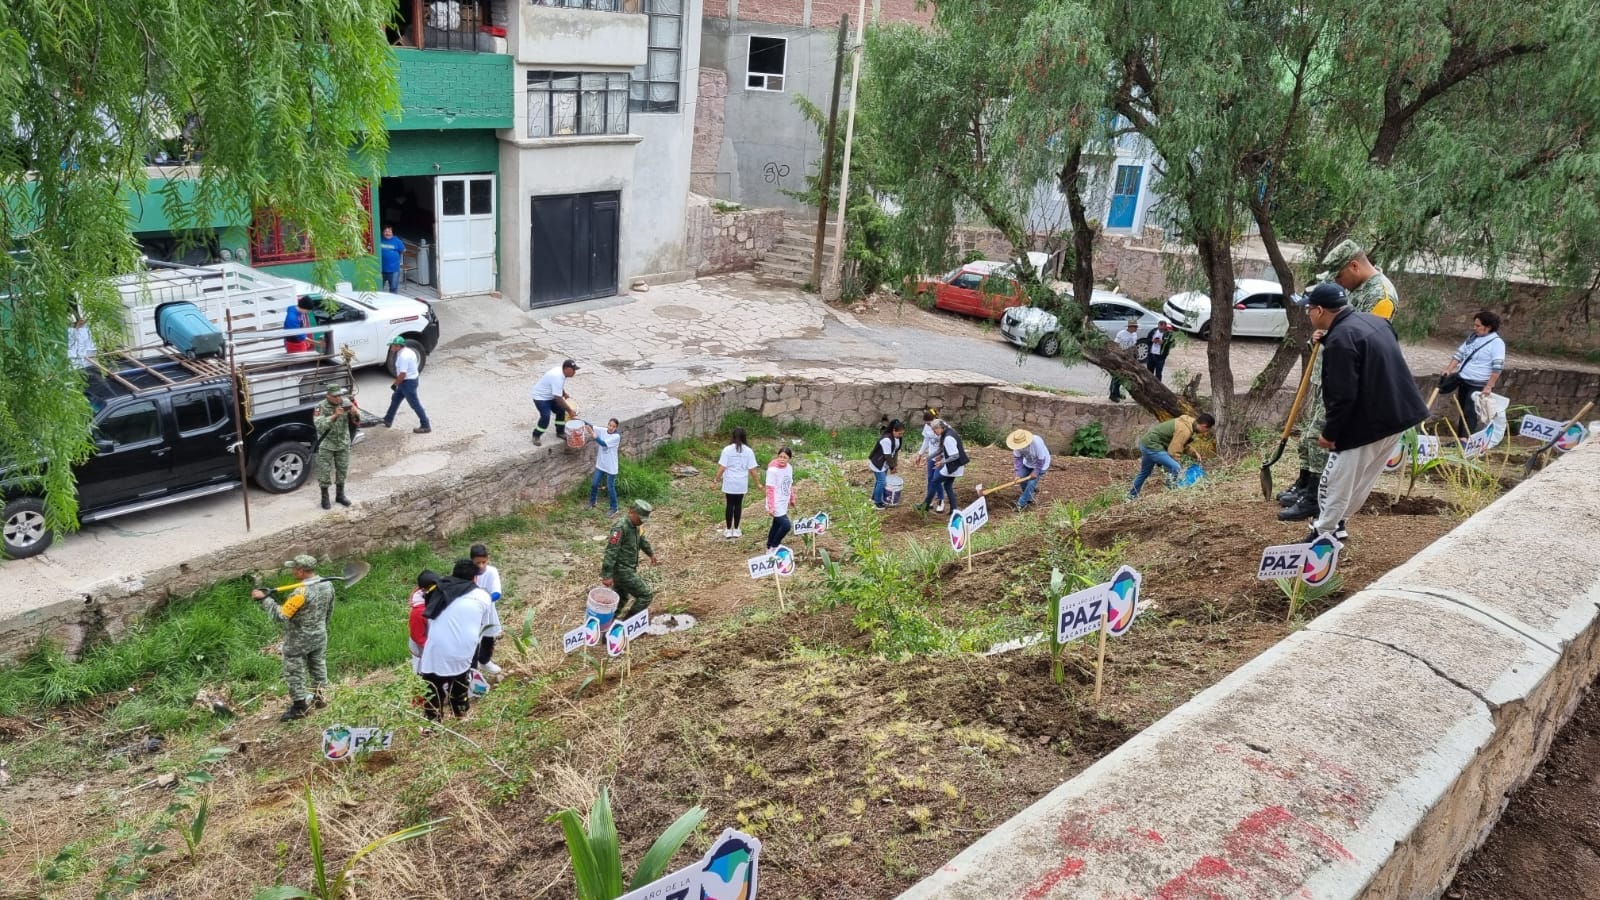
[364, 321]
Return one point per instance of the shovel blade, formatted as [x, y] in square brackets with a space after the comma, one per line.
[355, 571]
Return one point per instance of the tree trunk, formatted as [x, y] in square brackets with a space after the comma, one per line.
[1294, 347]
[1214, 249]
[1140, 384]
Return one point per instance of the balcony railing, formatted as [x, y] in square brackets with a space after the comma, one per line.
[463, 25]
[628, 6]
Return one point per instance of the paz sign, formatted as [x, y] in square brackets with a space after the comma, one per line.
[729, 871]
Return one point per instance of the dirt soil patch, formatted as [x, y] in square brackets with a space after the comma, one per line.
[861, 773]
[1547, 842]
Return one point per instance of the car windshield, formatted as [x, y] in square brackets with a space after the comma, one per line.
[950, 275]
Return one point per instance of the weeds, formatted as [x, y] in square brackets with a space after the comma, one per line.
[1090, 440]
[321, 887]
[597, 855]
[193, 831]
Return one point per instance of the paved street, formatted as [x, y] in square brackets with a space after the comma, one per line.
[636, 352]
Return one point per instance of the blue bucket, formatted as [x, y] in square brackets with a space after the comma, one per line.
[602, 605]
[1191, 474]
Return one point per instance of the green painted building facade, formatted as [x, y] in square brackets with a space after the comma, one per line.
[452, 103]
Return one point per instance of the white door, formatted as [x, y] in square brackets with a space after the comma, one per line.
[466, 239]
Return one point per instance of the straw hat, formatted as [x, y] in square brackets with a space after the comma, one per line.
[1019, 439]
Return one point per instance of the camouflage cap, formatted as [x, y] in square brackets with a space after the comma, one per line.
[643, 508]
[336, 390]
[303, 561]
[1338, 258]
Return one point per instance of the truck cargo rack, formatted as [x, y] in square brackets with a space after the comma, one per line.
[267, 386]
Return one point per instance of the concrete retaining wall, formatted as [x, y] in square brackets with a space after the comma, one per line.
[1365, 756]
[454, 498]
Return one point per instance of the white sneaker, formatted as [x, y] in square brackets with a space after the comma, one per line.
[490, 668]
[738, 532]
[727, 534]
[939, 507]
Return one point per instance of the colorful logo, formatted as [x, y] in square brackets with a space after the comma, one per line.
[591, 631]
[729, 871]
[783, 561]
[1572, 437]
[336, 742]
[1320, 560]
[821, 520]
[1123, 599]
[1406, 443]
[958, 531]
[616, 639]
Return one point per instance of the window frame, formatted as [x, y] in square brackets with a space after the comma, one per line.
[211, 401]
[783, 77]
[268, 228]
[546, 86]
[640, 74]
[124, 411]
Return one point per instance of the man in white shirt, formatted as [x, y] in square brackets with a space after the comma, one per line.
[80, 343]
[407, 367]
[1030, 459]
[454, 635]
[1126, 339]
[551, 399]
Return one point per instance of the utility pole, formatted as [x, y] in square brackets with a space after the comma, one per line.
[849, 139]
[827, 155]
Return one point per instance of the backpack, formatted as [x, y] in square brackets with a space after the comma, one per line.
[961, 452]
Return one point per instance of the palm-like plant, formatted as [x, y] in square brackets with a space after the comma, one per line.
[597, 854]
[322, 888]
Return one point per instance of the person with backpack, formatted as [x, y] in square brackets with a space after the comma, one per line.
[885, 458]
[926, 455]
[736, 468]
[951, 460]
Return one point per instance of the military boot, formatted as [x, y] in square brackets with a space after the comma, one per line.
[343, 500]
[296, 710]
[1304, 508]
[325, 503]
[1297, 490]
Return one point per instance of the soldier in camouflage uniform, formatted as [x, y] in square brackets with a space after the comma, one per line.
[305, 614]
[333, 423]
[620, 569]
[1372, 292]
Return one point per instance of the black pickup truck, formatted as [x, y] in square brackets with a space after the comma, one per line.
[165, 431]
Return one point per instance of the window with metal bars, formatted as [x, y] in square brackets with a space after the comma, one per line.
[656, 83]
[573, 103]
[274, 239]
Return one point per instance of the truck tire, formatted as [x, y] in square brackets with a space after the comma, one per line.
[417, 348]
[25, 533]
[283, 468]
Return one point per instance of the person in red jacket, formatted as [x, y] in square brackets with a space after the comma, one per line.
[426, 582]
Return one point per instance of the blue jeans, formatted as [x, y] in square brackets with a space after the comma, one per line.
[778, 531]
[407, 391]
[1148, 460]
[1028, 487]
[936, 487]
[610, 481]
[879, 481]
[547, 409]
[391, 282]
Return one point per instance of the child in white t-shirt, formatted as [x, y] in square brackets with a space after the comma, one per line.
[735, 470]
[488, 578]
[605, 462]
[780, 493]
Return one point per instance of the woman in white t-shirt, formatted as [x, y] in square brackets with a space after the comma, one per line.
[949, 452]
[927, 453]
[780, 493]
[605, 462]
[885, 458]
[736, 469]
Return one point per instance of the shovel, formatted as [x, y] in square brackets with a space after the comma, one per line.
[353, 572]
[1527, 467]
[984, 492]
[1288, 425]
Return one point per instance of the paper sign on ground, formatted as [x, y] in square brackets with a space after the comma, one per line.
[1281, 561]
[762, 566]
[343, 742]
[1476, 445]
[1080, 613]
[730, 870]
[1539, 427]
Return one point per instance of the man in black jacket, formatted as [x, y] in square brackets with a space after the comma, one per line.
[1371, 399]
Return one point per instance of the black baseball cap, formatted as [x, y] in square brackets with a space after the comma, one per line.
[1328, 295]
[569, 364]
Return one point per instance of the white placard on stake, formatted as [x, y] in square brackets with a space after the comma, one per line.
[1539, 428]
[817, 524]
[1281, 561]
[1123, 600]
[762, 566]
[1081, 613]
[975, 515]
[636, 625]
[344, 742]
[576, 639]
[730, 869]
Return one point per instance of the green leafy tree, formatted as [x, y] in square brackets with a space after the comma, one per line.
[281, 104]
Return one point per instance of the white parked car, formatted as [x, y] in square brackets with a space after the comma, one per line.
[1258, 310]
[1029, 326]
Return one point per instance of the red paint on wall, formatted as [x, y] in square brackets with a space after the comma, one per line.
[1042, 888]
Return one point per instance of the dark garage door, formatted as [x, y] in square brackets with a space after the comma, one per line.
[574, 248]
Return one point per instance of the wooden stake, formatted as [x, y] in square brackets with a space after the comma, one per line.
[1100, 663]
[1294, 599]
[779, 579]
[969, 549]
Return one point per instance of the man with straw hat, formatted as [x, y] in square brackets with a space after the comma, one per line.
[620, 568]
[1030, 458]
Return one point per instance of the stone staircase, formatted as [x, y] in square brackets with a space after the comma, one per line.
[789, 261]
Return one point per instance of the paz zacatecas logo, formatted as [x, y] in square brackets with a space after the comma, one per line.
[783, 560]
[730, 870]
[1572, 437]
[958, 531]
[1319, 560]
[1124, 600]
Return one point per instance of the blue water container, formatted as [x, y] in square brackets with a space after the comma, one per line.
[186, 328]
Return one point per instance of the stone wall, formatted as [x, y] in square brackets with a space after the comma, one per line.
[1365, 756]
[729, 241]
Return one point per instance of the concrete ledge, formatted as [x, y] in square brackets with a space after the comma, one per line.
[1365, 756]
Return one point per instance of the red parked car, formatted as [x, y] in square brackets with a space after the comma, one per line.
[984, 289]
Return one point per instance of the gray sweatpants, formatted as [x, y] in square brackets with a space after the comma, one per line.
[1347, 480]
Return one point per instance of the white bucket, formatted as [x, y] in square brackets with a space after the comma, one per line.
[893, 487]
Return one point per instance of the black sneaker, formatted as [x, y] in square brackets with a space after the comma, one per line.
[1304, 508]
[1339, 534]
[422, 429]
[296, 710]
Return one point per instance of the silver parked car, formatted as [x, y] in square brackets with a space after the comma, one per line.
[1029, 326]
[1258, 310]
